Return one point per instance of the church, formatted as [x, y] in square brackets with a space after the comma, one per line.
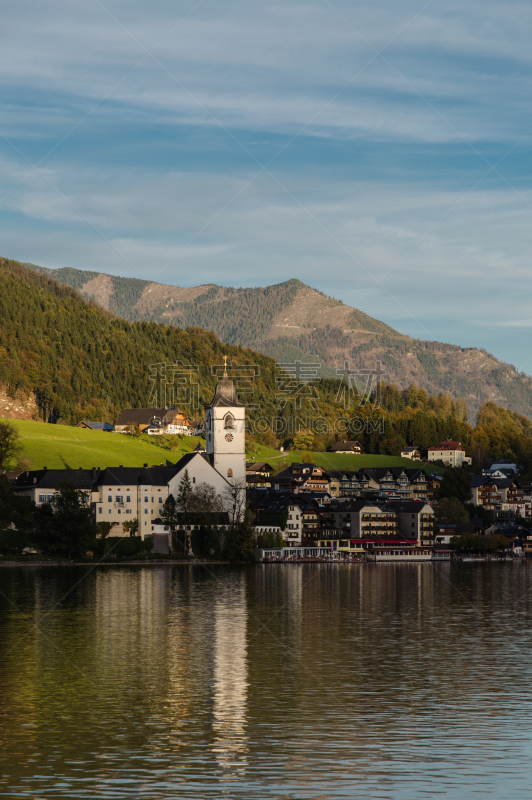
[120, 494]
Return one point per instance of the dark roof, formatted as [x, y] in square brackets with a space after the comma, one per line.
[96, 426]
[261, 466]
[199, 448]
[346, 445]
[500, 483]
[121, 476]
[51, 478]
[411, 506]
[225, 393]
[282, 501]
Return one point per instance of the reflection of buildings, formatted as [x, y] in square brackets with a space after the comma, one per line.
[230, 675]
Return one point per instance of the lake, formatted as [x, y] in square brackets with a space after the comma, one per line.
[304, 681]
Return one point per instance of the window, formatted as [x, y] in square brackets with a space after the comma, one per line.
[193, 480]
[119, 510]
[229, 473]
[128, 499]
[42, 498]
[152, 499]
[145, 511]
[110, 511]
[109, 499]
[128, 511]
[160, 500]
[100, 510]
[49, 497]
[229, 421]
[119, 498]
[145, 499]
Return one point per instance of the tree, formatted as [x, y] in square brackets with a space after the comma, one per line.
[456, 482]
[104, 529]
[169, 514]
[65, 525]
[183, 493]
[10, 445]
[235, 500]
[131, 526]
[303, 440]
[450, 509]
[240, 542]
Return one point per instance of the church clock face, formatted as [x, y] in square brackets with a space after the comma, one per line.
[228, 437]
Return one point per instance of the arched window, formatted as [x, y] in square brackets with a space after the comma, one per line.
[229, 421]
[229, 473]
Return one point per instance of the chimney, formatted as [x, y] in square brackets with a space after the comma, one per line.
[121, 466]
[45, 469]
[145, 466]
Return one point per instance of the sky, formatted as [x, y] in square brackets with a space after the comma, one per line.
[379, 152]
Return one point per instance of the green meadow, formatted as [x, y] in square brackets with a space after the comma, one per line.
[63, 447]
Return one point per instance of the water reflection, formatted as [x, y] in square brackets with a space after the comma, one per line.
[315, 682]
[230, 677]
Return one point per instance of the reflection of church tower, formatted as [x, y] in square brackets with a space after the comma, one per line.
[225, 430]
[230, 676]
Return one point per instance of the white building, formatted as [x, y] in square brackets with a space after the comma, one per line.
[451, 453]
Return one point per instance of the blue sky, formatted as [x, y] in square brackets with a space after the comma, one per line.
[379, 152]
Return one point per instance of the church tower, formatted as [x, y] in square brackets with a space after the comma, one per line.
[225, 431]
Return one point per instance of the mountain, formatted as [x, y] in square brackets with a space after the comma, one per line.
[291, 321]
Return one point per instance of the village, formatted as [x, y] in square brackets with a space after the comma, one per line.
[304, 512]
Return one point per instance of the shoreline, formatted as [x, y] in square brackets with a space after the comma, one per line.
[150, 563]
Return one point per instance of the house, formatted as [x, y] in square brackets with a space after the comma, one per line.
[347, 447]
[490, 492]
[96, 426]
[446, 531]
[415, 520]
[451, 453]
[361, 518]
[258, 475]
[41, 484]
[413, 453]
[157, 421]
[396, 482]
[259, 468]
[303, 478]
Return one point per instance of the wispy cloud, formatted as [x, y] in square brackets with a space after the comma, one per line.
[380, 167]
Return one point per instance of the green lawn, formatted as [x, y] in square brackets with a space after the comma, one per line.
[62, 447]
[333, 460]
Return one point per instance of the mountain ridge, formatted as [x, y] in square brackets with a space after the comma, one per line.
[291, 321]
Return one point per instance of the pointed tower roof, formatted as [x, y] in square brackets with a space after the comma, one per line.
[225, 394]
[199, 448]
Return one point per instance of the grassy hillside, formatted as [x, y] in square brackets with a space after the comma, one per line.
[63, 447]
[336, 461]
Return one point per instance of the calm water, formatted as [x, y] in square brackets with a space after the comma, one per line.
[275, 681]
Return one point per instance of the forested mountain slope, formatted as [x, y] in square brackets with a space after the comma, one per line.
[291, 321]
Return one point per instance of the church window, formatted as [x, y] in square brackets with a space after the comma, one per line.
[229, 473]
[229, 421]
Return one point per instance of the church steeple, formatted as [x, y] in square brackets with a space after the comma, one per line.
[225, 430]
[225, 393]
